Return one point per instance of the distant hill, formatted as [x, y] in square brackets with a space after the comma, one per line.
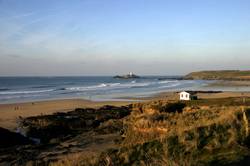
[220, 75]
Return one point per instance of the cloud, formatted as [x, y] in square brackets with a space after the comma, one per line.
[22, 15]
[17, 16]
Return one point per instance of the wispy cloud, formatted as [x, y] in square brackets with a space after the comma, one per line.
[17, 16]
[22, 15]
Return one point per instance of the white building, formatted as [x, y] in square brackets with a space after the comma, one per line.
[185, 95]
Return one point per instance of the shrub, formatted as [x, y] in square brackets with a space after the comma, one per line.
[173, 107]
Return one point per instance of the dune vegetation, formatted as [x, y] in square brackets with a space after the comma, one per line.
[202, 132]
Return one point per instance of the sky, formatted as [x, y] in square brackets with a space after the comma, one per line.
[109, 37]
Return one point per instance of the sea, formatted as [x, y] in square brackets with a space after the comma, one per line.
[96, 88]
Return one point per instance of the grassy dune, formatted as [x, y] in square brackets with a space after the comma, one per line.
[197, 136]
[220, 75]
[203, 132]
[162, 133]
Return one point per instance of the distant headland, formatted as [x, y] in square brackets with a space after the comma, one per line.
[130, 75]
[236, 75]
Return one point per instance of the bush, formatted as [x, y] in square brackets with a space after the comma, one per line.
[173, 107]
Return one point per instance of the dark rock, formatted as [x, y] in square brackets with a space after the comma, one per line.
[127, 76]
[8, 139]
[47, 127]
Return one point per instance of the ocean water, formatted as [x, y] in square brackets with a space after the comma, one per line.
[23, 89]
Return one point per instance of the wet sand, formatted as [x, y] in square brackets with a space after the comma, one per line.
[227, 83]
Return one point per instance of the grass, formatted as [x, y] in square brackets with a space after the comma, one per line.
[202, 132]
[193, 136]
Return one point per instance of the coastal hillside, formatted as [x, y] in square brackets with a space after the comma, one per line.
[202, 132]
[220, 75]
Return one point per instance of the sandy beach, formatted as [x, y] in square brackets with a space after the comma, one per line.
[9, 113]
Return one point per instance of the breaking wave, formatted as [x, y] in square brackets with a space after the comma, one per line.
[25, 92]
[132, 84]
[4, 89]
[167, 81]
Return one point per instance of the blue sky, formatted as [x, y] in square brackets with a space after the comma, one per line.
[107, 37]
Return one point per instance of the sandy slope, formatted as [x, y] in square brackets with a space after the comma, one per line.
[10, 112]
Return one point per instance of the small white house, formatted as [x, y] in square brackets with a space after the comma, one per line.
[185, 95]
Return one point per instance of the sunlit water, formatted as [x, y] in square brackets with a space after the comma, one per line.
[22, 89]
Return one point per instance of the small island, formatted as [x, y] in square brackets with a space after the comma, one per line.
[130, 75]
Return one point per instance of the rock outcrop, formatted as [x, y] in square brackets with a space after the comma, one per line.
[127, 76]
[9, 139]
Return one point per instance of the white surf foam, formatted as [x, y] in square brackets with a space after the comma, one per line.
[170, 85]
[25, 92]
[167, 81]
[108, 86]
[92, 87]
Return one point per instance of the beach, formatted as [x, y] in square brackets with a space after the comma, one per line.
[64, 122]
[9, 113]
[96, 88]
[32, 96]
[80, 131]
[124, 83]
